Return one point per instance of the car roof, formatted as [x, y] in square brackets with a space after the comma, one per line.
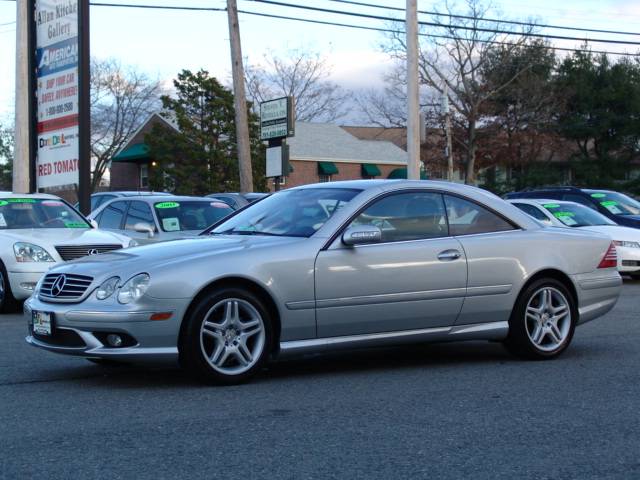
[163, 198]
[29, 195]
[543, 201]
[132, 193]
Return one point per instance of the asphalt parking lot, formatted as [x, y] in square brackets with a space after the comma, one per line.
[439, 411]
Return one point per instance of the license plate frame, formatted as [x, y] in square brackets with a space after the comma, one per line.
[42, 323]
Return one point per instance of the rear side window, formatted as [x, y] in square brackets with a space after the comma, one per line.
[139, 212]
[532, 211]
[468, 218]
[112, 216]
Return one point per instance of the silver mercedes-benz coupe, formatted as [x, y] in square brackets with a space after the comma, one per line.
[331, 266]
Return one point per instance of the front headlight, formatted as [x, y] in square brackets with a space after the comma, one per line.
[625, 243]
[107, 288]
[134, 288]
[28, 252]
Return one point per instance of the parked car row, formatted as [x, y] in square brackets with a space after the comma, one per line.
[612, 213]
[324, 267]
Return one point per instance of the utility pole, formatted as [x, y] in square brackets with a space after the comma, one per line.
[23, 114]
[447, 129]
[240, 102]
[413, 100]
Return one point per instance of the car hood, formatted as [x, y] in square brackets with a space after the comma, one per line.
[616, 232]
[147, 257]
[48, 237]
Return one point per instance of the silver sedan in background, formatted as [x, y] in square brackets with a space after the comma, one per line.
[330, 266]
[152, 219]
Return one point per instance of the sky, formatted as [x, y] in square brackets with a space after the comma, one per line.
[161, 42]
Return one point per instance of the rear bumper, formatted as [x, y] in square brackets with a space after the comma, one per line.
[597, 292]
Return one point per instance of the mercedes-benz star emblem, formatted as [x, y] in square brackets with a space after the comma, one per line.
[93, 251]
[58, 285]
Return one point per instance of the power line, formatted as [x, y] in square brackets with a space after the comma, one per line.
[450, 37]
[158, 7]
[7, 23]
[433, 24]
[495, 20]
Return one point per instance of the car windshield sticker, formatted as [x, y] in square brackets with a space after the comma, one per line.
[167, 205]
[566, 218]
[21, 200]
[612, 206]
[598, 195]
[3, 222]
[75, 225]
[551, 205]
[171, 224]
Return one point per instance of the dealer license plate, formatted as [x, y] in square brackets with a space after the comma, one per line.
[42, 324]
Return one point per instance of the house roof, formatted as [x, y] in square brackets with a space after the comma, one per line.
[331, 143]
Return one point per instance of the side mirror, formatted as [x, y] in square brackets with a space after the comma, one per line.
[361, 234]
[93, 223]
[142, 227]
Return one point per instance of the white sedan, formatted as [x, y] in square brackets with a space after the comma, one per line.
[37, 232]
[560, 213]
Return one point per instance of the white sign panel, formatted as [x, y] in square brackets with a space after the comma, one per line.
[57, 92]
[274, 162]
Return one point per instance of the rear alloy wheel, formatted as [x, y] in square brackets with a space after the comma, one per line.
[543, 321]
[227, 337]
[8, 304]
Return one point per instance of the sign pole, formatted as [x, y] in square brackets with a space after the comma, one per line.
[84, 109]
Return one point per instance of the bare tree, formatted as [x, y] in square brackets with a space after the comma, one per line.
[303, 75]
[121, 100]
[454, 56]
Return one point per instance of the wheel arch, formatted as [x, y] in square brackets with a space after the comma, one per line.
[556, 275]
[244, 283]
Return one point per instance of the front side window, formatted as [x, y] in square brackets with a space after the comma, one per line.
[290, 213]
[111, 217]
[190, 215]
[407, 216]
[22, 213]
[532, 211]
[139, 212]
[468, 218]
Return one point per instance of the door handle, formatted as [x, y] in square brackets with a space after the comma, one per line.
[449, 255]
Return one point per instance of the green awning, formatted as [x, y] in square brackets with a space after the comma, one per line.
[327, 168]
[402, 173]
[135, 152]
[370, 170]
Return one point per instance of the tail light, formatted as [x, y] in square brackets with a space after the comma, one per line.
[610, 259]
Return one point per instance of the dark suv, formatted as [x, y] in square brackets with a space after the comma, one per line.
[618, 207]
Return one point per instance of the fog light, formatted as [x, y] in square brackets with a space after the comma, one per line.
[28, 285]
[114, 340]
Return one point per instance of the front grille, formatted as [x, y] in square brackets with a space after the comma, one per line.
[71, 252]
[71, 287]
[61, 338]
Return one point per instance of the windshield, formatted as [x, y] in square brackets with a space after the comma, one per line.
[19, 213]
[575, 215]
[291, 213]
[181, 216]
[616, 203]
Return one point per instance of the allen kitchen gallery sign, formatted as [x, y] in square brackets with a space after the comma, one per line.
[57, 92]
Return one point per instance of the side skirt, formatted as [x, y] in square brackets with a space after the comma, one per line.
[479, 331]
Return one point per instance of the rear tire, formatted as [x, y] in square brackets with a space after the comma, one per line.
[543, 321]
[227, 337]
[8, 304]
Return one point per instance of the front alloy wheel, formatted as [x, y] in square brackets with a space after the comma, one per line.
[227, 337]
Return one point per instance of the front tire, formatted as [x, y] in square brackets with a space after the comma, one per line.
[8, 304]
[543, 321]
[227, 337]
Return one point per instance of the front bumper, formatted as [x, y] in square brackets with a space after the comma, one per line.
[81, 329]
[23, 282]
